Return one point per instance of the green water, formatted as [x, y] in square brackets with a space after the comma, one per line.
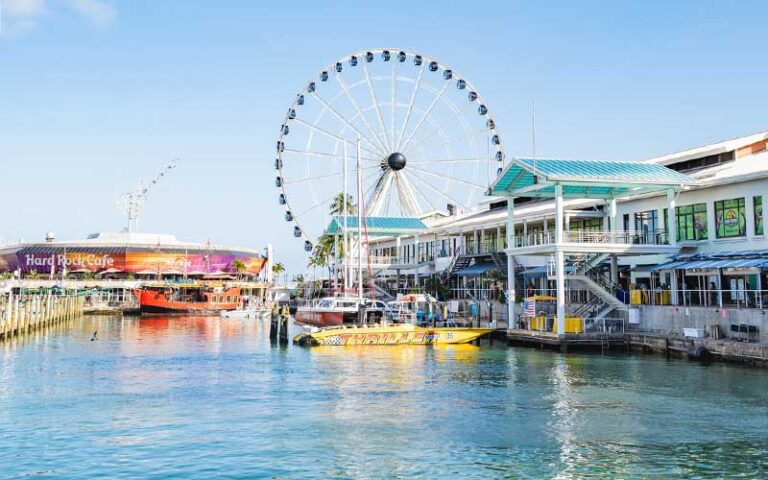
[207, 398]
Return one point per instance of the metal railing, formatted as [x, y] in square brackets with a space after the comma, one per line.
[592, 236]
[715, 298]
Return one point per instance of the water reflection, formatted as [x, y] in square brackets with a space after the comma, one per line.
[153, 393]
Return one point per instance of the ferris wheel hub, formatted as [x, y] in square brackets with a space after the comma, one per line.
[396, 161]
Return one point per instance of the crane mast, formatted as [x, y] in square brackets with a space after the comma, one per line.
[132, 202]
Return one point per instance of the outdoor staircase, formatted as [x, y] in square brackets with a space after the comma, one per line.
[382, 294]
[603, 301]
[500, 260]
[458, 262]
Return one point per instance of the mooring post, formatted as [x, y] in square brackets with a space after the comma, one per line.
[23, 320]
[283, 335]
[273, 325]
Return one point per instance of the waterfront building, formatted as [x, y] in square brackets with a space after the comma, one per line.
[711, 264]
[122, 256]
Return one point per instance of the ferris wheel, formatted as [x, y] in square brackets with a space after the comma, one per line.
[426, 139]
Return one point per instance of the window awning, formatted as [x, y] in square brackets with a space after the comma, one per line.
[678, 265]
[711, 261]
[476, 269]
[725, 263]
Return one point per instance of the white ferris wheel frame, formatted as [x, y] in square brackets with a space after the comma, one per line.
[376, 144]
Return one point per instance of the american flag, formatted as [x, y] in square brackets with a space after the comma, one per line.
[529, 307]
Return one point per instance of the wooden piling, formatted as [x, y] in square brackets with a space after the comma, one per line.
[21, 313]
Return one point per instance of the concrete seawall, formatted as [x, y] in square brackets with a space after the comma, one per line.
[747, 353]
[672, 320]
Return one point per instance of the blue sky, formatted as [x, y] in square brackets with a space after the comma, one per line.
[97, 94]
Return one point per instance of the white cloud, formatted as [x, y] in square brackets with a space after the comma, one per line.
[21, 16]
[22, 8]
[97, 12]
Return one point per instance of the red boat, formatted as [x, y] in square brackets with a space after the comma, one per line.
[335, 311]
[169, 299]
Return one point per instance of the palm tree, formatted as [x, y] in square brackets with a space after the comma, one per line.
[340, 207]
[327, 245]
[239, 267]
[278, 268]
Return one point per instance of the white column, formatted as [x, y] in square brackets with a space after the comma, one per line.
[335, 262]
[673, 286]
[510, 262]
[398, 252]
[481, 245]
[416, 261]
[499, 243]
[612, 212]
[749, 213]
[559, 259]
[672, 217]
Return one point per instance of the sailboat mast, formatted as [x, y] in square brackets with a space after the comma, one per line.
[359, 227]
[345, 212]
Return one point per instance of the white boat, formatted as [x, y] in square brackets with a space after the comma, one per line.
[246, 313]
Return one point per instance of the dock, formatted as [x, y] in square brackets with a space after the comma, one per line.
[564, 343]
[21, 314]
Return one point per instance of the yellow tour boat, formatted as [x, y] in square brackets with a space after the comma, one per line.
[393, 334]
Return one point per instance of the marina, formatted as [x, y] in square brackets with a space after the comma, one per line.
[525, 241]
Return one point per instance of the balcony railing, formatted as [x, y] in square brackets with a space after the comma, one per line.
[591, 236]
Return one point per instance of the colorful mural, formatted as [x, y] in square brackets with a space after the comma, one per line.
[45, 259]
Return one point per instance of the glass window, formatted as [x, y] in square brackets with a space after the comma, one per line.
[758, 203]
[730, 219]
[692, 222]
[647, 222]
[589, 225]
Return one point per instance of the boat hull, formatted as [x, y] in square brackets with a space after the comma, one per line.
[178, 310]
[391, 335]
[158, 302]
[321, 318]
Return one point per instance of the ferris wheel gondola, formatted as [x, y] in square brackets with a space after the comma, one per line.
[427, 140]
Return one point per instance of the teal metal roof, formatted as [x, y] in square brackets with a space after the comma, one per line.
[378, 226]
[585, 178]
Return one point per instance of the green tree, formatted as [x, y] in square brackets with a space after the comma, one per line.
[33, 275]
[278, 268]
[327, 246]
[340, 207]
[239, 268]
